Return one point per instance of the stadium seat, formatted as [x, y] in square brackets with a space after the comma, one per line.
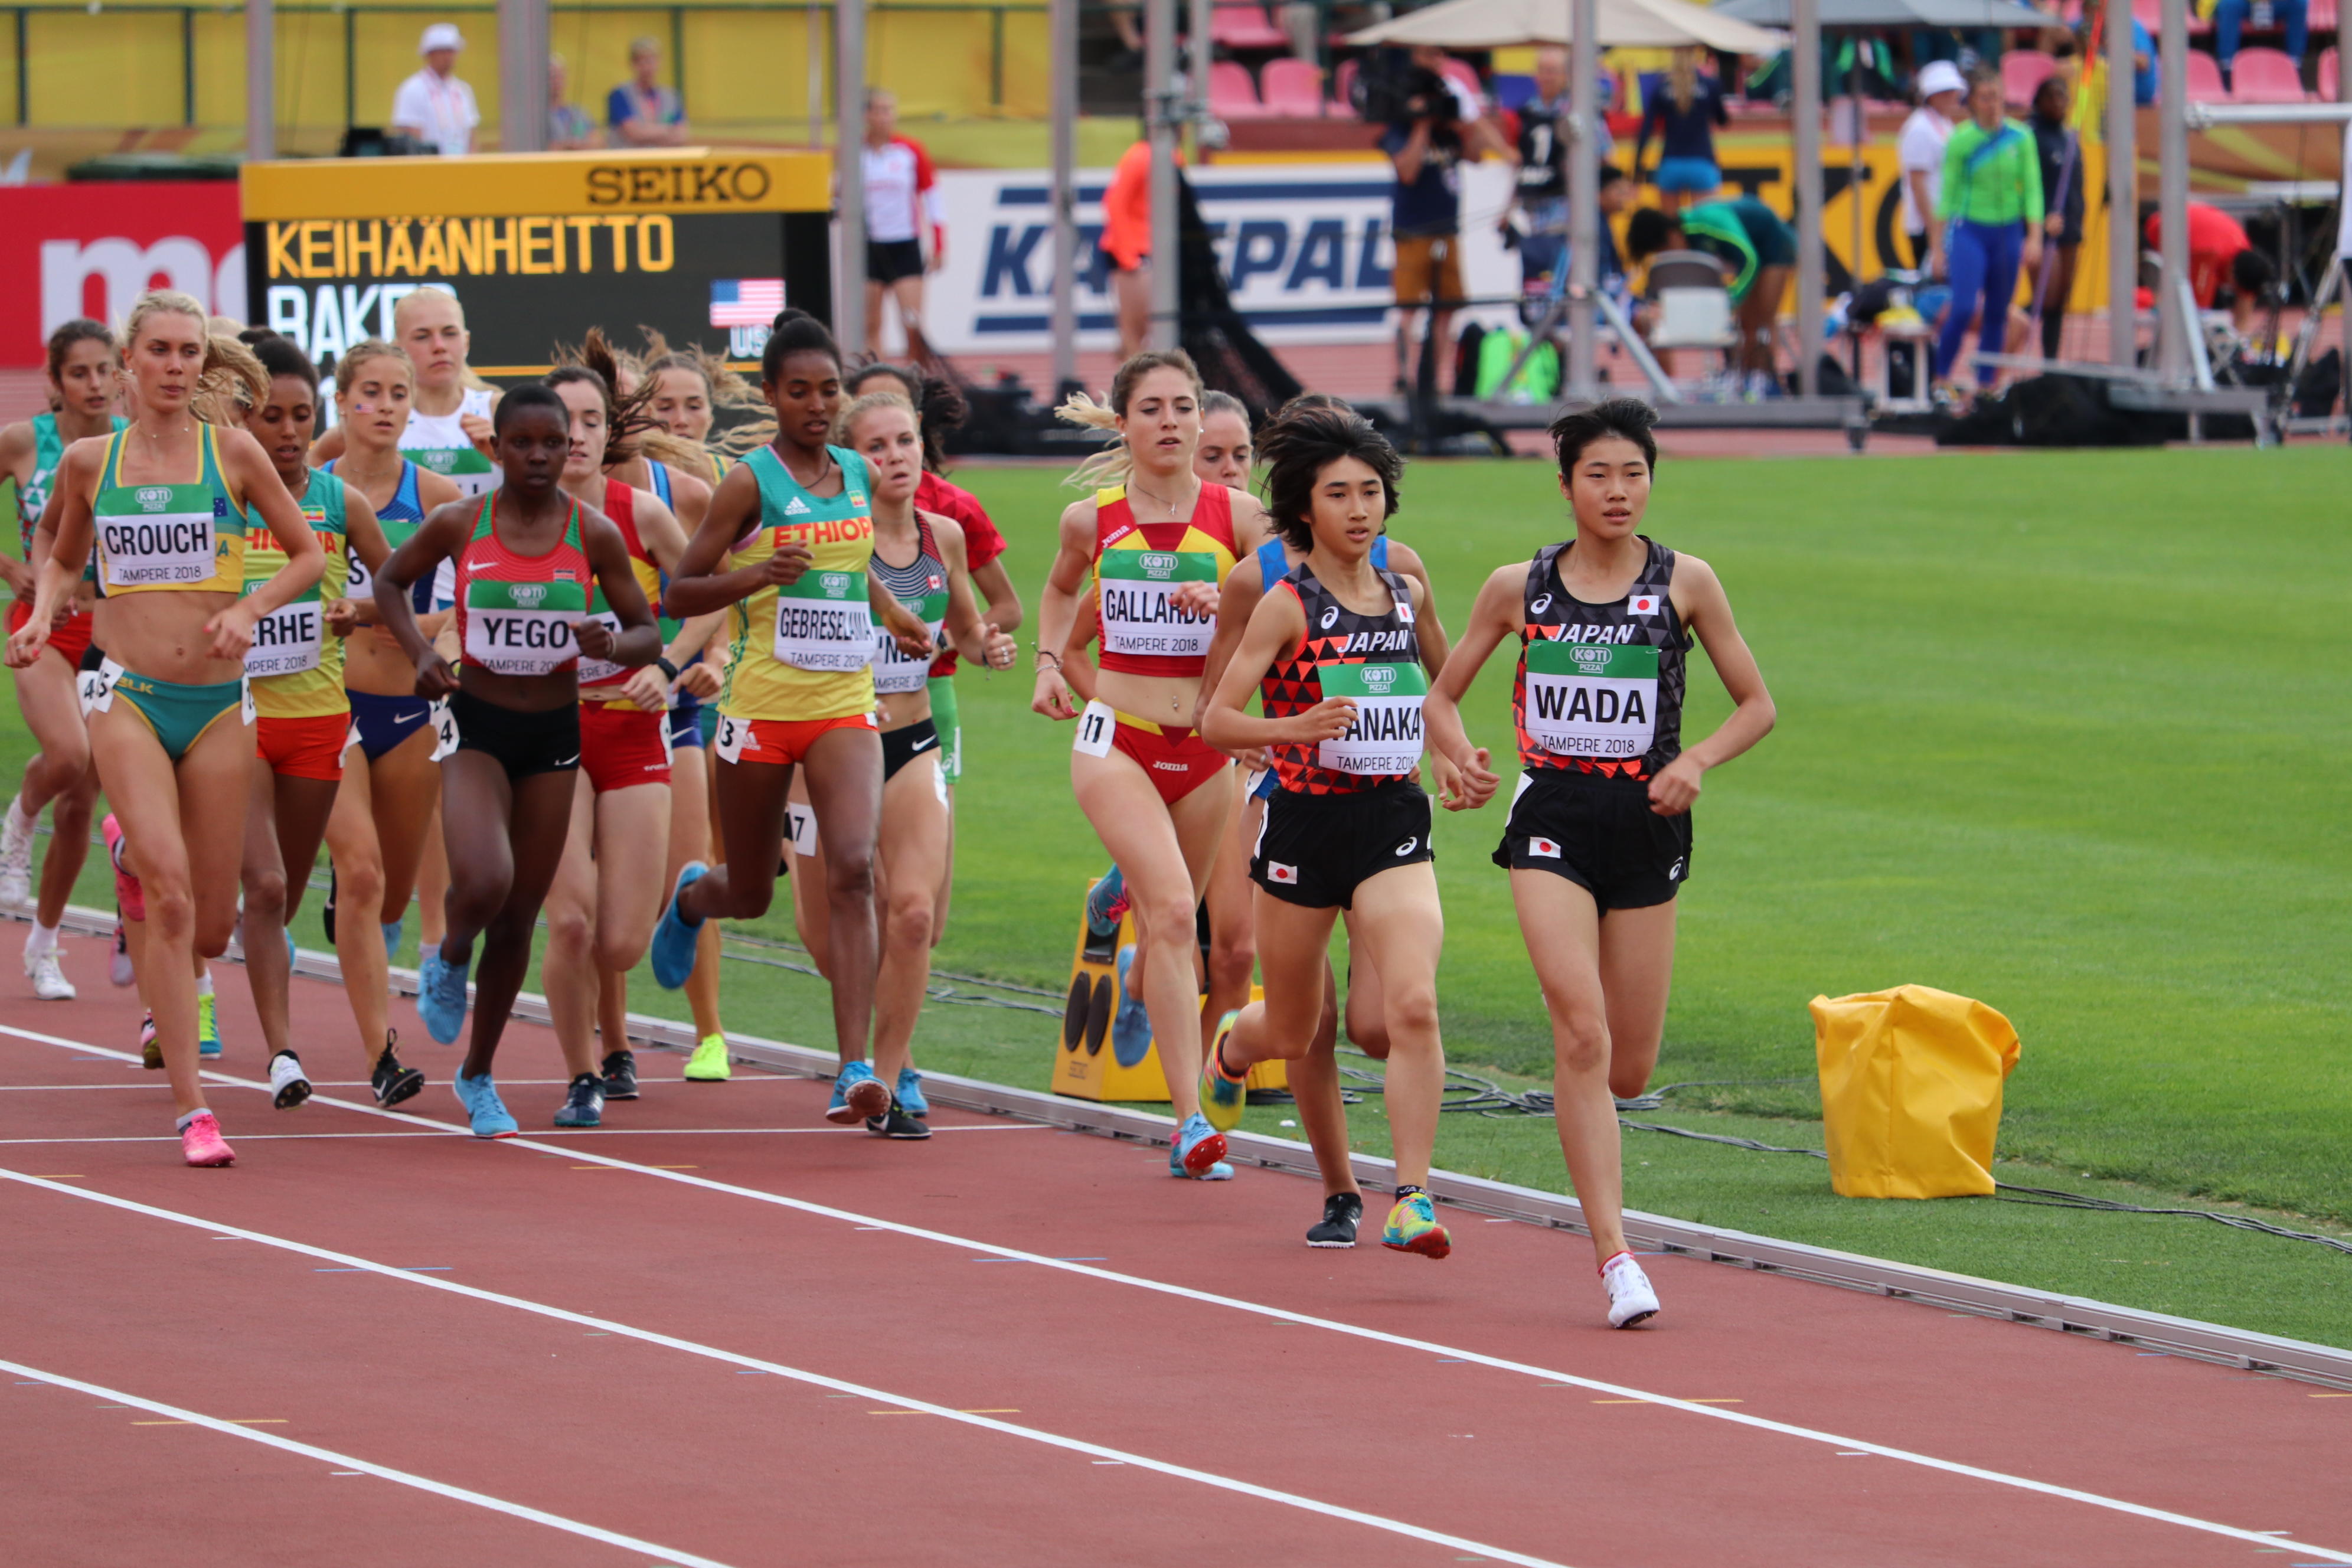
[2205, 78]
[1343, 87]
[2266, 75]
[1231, 94]
[2331, 65]
[1292, 88]
[2023, 72]
[2323, 15]
[1244, 27]
[1694, 306]
[2150, 14]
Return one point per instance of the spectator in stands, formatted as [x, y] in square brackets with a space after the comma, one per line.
[1126, 242]
[1920, 151]
[2061, 156]
[902, 208]
[1758, 250]
[1683, 107]
[2144, 61]
[434, 106]
[1542, 190]
[1992, 204]
[568, 128]
[2229, 18]
[2224, 268]
[641, 112]
[1443, 123]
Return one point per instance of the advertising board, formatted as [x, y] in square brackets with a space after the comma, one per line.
[92, 249]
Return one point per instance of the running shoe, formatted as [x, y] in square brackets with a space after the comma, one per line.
[288, 1087]
[709, 1063]
[584, 1102]
[292, 953]
[393, 932]
[910, 1093]
[150, 1055]
[1130, 1025]
[1105, 903]
[208, 1040]
[1631, 1299]
[392, 1082]
[16, 856]
[620, 1075]
[201, 1142]
[1199, 1150]
[50, 981]
[483, 1107]
[1412, 1227]
[118, 967]
[1222, 1098]
[128, 897]
[898, 1122]
[674, 942]
[440, 995]
[858, 1095]
[1342, 1212]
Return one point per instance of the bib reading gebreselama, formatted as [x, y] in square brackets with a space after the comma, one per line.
[1598, 701]
[823, 622]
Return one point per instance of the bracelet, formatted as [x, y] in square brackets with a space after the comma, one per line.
[1042, 653]
[669, 670]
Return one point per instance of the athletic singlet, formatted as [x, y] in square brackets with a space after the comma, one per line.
[33, 495]
[659, 472]
[1599, 687]
[621, 506]
[1372, 660]
[922, 587]
[439, 442]
[805, 651]
[297, 669]
[1138, 566]
[515, 613]
[400, 517]
[168, 537]
[1274, 561]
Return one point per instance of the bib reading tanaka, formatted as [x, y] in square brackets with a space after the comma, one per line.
[823, 622]
[523, 629]
[1386, 736]
[1591, 700]
[1139, 612]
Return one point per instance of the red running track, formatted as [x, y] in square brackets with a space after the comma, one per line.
[719, 1331]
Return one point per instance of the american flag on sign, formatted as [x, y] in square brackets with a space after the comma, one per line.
[745, 301]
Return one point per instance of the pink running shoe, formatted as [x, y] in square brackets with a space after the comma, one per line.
[202, 1142]
[127, 892]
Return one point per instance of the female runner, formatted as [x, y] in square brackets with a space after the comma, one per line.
[1333, 643]
[1599, 840]
[795, 516]
[168, 708]
[1156, 794]
[295, 670]
[83, 371]
[526, 555]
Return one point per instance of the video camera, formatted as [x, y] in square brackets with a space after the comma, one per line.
[1390, 90]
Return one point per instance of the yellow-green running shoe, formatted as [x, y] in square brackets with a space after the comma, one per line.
[709, 1063]
[1412, 1227]
[1221, 1098]
[208, 1040]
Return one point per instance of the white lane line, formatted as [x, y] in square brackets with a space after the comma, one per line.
[754, 1363]
[1304, 1320]
[555, 1132]
[358, 1466]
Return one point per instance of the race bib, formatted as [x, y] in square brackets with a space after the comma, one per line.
[523, 629]
[245, 710]
[97, 687]
[823, 622]
[896, 672]
[729, 742]
[445, 730]
[360, 582]
[1139, 614]
[150, 536]
[286, 640]
[594, 671]
[800, 826]
[1097, 725]
[1591, 700]
[1386, 735]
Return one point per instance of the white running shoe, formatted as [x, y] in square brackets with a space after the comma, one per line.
[288, 1086]
[1631, 1299]
[16, 856]
[118, 966]
[50, 981]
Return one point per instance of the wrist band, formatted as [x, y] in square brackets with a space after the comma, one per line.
[1044, 654]
[669, 670]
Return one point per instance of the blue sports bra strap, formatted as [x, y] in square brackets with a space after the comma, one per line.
[1381, 552]
[405, 494]
[660, 472]
[1273, 564]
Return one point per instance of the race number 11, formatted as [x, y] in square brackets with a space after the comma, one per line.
[1096, 726]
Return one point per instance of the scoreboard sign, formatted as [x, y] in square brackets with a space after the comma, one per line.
[540, 247]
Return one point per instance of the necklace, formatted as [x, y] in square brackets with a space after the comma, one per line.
[1166, 504]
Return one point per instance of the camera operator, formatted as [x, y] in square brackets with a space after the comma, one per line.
[1433, 123]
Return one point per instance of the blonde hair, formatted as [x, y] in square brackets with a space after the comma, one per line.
[421, 294]
[230, 380]
[859, 407]
[347, 368]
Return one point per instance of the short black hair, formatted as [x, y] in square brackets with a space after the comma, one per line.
[1610, 174]
[278, 356]
[795, 331]
[1300, 443]
[1647, 232]
[2252, 272]
[1629, 417]
[529, 394]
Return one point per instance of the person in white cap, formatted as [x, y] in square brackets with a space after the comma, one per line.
[1941, 92]
[434, 106]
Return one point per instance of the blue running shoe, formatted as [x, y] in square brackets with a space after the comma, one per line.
[208, 1040]
[483, 1107]
[1105, 902]
[674, 940]
[441, 995]
[910, 1093]
[1198, 1151]
[289, 946]
[393, 932]
[857, 1095]
[1130, 1025]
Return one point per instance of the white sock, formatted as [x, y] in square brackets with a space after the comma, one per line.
[182, 1124]
[23, 824]
[43, 940]
[204, 984]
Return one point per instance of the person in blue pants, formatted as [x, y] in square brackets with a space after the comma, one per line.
[1991, 201]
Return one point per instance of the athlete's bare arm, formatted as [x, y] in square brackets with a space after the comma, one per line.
[77, 485]
[1276, 625]
[981, 641]
[1058, 607]
[327, 447]
[702, 582]
[1002, 599]
[639, 641]
[251, 478]
[368, 542]
[1701, 603]
[442, 535]
[1495, 615]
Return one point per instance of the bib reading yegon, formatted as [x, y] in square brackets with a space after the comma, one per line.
[286, 640]
[825, 622]
[1591, 700]
[1139, 615]
[523, 629]
[1386, 736]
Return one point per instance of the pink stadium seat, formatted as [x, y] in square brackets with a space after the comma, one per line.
[2330, 81]
[1231, 94]
[1343, 83]
[2151, 16]
[2205, 78]
[1294, 89]
[2266, 75]
[2323, 15]
[2023, 71]
[1245, 27]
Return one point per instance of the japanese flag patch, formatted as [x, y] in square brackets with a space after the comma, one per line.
[1278, 872]
[1544, 847]
[1642, 604]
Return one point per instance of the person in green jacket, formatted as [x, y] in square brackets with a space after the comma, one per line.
[1992, 204]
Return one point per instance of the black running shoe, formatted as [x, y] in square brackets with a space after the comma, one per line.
[327, 911]
[620, 1074]
[1342, 1213]
[583, 1103]
[392, 1082]
[896, 1124]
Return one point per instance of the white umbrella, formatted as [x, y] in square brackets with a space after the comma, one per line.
[1623, 24]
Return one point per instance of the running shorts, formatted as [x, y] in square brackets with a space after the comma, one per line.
[621, 747]
[947, 716]
[685, 721]
[380, 724]
[1178, 761]
[1687, 177]
[1599, 833]
[779, 742]
[1315, 850]
[70, 637]
[1428, 267]
[309, 747]
[888, 260]
[904, 744]
[522, 743]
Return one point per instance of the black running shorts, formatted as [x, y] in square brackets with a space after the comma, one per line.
[1315, 850]
[904, 744]
[888, 260]
[522, 743]
[1599, 833]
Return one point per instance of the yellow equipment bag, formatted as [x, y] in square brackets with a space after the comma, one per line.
[1911, 1086]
